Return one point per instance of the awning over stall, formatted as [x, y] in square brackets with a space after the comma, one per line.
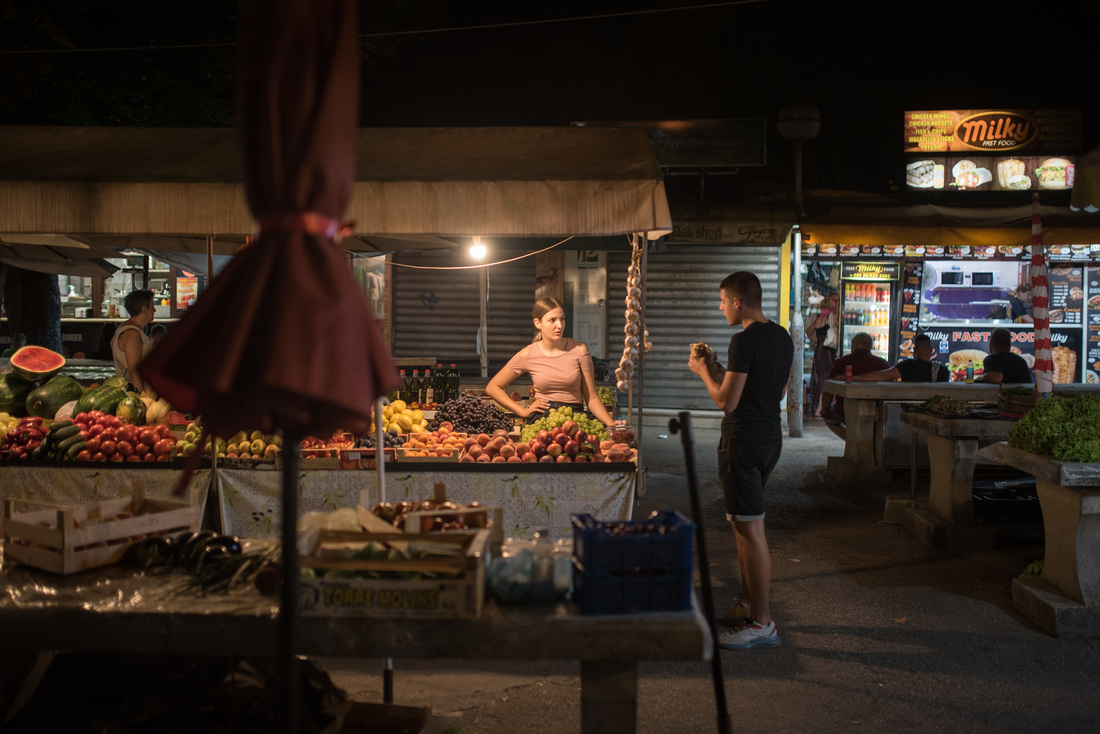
[491, 181]
[863, 219]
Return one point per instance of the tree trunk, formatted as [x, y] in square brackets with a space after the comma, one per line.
[33, 303]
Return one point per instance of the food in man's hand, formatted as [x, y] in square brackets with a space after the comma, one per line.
[1055, 173]
[700, 349]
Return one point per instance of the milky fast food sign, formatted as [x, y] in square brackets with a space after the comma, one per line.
[929, 131]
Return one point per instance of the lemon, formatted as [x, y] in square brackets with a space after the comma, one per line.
[405, 422]
[416, 428]
[398, 406]
[417, 416]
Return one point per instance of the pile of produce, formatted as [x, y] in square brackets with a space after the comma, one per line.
[1067, 429]
[559, 417]
[391, 439]
[439, 442]
[452, 516]
[940, 405]
[399, 417]
[469, 414]
[568, 443]
[23, 439]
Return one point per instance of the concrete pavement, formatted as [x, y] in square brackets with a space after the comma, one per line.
[880, 633]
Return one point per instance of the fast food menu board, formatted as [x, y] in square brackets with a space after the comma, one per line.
[1092, 328]
[978, 253]
[910, 306]
[991, 173]
[1067, 294]
[1004, 131]
[955, 347]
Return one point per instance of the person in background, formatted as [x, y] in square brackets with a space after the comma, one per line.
[1019, 306]
[749, 392]
[18, 341]
[102, 350]
[1002, 365]
[130, 346]
[823, 334]
[861, 361]
[157, 333]
[561, 370]
[921, 368]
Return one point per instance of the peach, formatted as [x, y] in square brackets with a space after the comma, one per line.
[483, 439]
[483, 459]
[522, 448]
[508, 451]
[546, 459]
[514, 460]
[470, 441]
[499, 460]
[565, 459]
[475, 451]
[554, 450]
[530, 458]
[467, 458]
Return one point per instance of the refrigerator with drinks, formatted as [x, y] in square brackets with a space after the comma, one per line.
[869, 303]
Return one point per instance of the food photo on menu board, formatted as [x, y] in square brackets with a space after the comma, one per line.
[1067, 294]
[991, 173]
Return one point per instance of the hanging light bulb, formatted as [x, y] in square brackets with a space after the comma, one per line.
[477, 250]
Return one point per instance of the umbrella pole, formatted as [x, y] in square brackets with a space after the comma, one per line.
[682, 425]
[209, 260]
[379, 453]
[288, 602]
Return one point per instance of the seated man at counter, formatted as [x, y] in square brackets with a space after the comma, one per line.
[1002, 365]
[861, 361]
[921, 368]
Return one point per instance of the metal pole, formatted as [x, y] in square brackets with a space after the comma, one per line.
[483, 329]
[794, 387]
[379, 454]
[288, 601]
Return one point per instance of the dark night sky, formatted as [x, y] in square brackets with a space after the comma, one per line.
[862, 62]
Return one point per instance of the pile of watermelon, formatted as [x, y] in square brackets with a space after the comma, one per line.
[34, 388]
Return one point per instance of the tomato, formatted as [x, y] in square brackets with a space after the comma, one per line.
[117, 457]
[163, 447]
[163, 457]
[132, 457]
[81, 418]
[124, 447]
[147, 436]
[163, 429]
[84, 455]
[93, 444]
[149, 457]
[99, 456]
[94, 430]
[108, 447]
[104, 420]
[95, 415]
[116, 422]
[109, 434]
[126, 433]
[141, 449]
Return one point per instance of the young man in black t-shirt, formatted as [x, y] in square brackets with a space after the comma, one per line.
[1002, 365]
[749, 392]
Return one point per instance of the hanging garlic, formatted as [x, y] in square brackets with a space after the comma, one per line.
[622, 385]
[634, 292]
[634, 304]
[633, 353]
[648, 347]
[631, 341]
[633, 317]
[630, 328]
[627, 363]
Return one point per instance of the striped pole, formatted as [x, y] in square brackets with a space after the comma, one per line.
[1040, 303]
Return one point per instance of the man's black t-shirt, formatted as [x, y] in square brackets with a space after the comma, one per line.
[763, 352]
[917, 370]
[1013, 367]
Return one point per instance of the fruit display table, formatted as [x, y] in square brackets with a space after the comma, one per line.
[115, 610]
[1065, 599]
[536, 495]
[948, 520]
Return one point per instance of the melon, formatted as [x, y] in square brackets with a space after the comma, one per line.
[131, 410]
[13, 395]
[35, 364]
[44, 401]
[116, 381]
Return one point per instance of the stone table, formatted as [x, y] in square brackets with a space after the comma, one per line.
[1065, 600]
[948, 519]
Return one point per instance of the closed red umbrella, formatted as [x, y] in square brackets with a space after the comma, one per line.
[284, 338]
[1040, 302]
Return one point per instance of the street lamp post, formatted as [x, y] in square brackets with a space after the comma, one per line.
[797, 122]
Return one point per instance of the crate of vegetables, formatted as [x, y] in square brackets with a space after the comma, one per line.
[628, 566]
[64, 540]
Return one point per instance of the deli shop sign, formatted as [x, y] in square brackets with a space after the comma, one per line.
[993, 130]
[870, 271]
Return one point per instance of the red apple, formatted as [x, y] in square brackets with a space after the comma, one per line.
[580, 436]
[561, 439]
[547, 459]
[522, 448]
[572, 447]
[530, 458]
[543, 436]
[538, 448]
[581, 460]
[565, 459]
[569, 428]
[555, 431]
[555, 450]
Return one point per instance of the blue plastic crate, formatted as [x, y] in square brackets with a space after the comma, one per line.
[604, 593]
[599, 550]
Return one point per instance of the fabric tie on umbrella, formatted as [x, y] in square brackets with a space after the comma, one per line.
[1040, 302]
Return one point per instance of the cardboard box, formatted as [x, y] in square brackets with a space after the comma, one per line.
[435, 587]
[64, 540]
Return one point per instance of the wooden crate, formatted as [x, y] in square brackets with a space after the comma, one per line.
[457, 592]
[65, 540]
[422, 520]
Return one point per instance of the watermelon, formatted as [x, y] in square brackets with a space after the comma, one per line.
[13, 395]
[44, 401]
[35, 364]
[116, 381]
[131, 410]
[104, 398]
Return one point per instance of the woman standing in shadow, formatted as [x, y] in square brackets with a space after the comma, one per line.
[824, 333]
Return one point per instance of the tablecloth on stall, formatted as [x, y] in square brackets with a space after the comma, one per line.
[250, 499]
[75, 486]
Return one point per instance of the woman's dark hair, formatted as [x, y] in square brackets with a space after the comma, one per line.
[137, 300]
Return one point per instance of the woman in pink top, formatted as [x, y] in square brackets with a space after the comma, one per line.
[560, 368]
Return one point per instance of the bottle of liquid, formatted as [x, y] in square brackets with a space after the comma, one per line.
[970, 372]
[452, 382]
[439, 384]
[403, 388]
[542, 568]
[427, 388]
[414, 386]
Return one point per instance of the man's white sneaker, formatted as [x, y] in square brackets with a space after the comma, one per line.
[754, 635]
